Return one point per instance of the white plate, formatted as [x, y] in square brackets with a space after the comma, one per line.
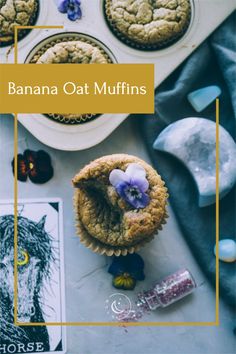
[207, 15]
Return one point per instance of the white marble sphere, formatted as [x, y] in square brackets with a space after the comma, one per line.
[227, 250]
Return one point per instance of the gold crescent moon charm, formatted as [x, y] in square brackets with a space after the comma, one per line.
[25, 259]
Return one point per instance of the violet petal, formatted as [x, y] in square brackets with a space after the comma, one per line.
[117, 177]
[133, 262]
[63, 6]
[121, 189]
[142, 184]
[135, 266]
[142, 202]
[135, 170]
[132, 195]
[75, 14]
[117, 266]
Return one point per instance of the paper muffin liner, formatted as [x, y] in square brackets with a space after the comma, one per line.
[137, 45]
[97, 246]
[72, 121]
[83, 118]
[23, 32]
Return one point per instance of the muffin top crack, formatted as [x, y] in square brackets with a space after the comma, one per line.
[148, 22]
[16, 13]
[75, 52]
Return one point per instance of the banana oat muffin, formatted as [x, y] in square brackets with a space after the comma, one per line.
[148, 24]
[73, 52]
[120, 203]
[16, 12]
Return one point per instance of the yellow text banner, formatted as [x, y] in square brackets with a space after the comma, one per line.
[66, 88]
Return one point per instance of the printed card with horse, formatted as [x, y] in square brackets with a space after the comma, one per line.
[39, 282]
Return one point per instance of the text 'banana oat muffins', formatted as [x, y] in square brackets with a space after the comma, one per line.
[72, 50]
[16, 13]
[148, 24]
[120, 204]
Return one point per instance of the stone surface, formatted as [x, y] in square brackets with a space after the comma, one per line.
[88, 285]
[193, 141]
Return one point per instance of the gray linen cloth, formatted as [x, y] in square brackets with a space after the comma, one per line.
[213, 63]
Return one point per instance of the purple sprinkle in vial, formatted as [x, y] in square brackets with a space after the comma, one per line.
[169, 290]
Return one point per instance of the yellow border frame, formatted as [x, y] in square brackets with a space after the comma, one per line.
[103, 324]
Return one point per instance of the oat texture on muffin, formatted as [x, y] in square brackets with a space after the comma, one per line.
[149, 24]
[73, 52]
[106, 222]
[16, 13]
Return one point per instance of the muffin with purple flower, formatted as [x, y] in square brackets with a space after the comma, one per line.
[120, 204]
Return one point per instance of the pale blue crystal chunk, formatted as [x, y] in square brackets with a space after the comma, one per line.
[227, 250]
[201, 98]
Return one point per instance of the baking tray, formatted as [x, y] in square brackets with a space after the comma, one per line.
[206, 16]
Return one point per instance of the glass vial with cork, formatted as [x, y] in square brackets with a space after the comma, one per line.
[171, 289]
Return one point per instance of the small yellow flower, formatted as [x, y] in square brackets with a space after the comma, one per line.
[124, 281]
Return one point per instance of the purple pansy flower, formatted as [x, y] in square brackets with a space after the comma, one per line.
[131, 185]
[36, 165]
[72, 8]
[126, 271]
